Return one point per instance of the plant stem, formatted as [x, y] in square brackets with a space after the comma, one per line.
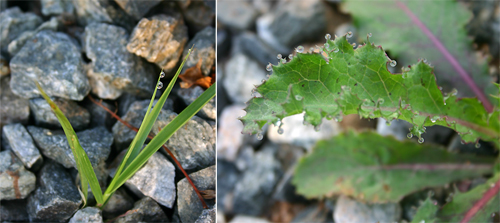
[492, 192]
[450, 58]
[164, 147]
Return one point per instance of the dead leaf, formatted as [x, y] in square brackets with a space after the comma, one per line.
[208, 194]
[194, 76]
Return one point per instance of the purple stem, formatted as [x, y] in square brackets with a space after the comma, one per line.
[465, 76]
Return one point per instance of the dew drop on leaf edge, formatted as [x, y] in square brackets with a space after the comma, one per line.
[269, 67]
[393, 63]
[260, 136]
[300, 49]
[279, 56]
[421, 140]
[409, 135]
[349, 34]
[328, 36]
[280, 131]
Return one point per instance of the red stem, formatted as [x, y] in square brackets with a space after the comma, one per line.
[492, 192]
[164, 147]
[461, 71]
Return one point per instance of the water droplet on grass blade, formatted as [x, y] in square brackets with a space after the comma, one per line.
[300, 49]
[162, 74]
[160, 85]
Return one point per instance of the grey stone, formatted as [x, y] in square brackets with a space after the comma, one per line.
[15, 181]
[480, 148]
[292, 23]
[57, 7]
[242, 74]
[97, 11]
[155, 179]
[252, 45]
[99, 116]
[57, 198]
[204, 50]
[248, 219]
[207, 216]
[437, 134]
[252, 192]
[88, 214]
[14, 210]
[190, 207]
[298, 134]
[351, 211]
[229, 139]
[14, 109]
[137, 9]
[397, 128]
[78, 117]
[16, 44]
[134, 116]
[237, 14]
[223, 44]
[21, 143]
[117, 204]
[160, 40]
[14, 22]
[96, 142]
[145, 210]
[198, 14]
[193, 144]
[189, 95]
[4, 67]
[314, 213]
[54, 60]
[227, 176]
[113, 69]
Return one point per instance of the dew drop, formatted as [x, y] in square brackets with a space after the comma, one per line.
[328, 36]
[388, 123]
[440, 88]
[338, 118]
[298, 97]
[349, 34]
[421, 140]
[380, 101]
[311, 49]
[454, 92]
[299, 49]
[354, 45]
[269, 67]
[280, 131]
[393, 63]
[162, 74]
[336, 50]
[317, 128]
[327, 45]
[424, 60]
[160, 85]
[409, 135]
[477, 145]
[283, 60]
[369, 34]
[263, 80]
[290, 56]
[260, 136]
[279, 56]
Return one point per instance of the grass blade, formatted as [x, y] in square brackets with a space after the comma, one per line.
[161, 138]
[87, 175]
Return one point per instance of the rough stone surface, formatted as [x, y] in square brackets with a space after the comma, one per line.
[137, 9]
[207, 216]
[198, 14]
[57, 198]
[296, 133]
[145, 210]
[88, 214]
[189, 95]
[227, 176]
[57, 7]
[190, 207]
[252, 45]
[292, 23]
[229, 140]
[14, 211]
[348, 210]
[99, 116]
[242, 73]
[4, 67]
[114, 69]
[193, 144]
[204, 50]
[160, 40]
[16, 44]
[54, 60]
[96, 142]
[15, 181]
[78, 116]
[155, 179]
[252, 192]
[117, 204]
[21, 143]
[237, 14]
[97, 11]
[134, 116]
[14, 109]
[14, 22]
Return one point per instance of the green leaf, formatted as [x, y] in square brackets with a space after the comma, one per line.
[394, 29]
[87, 175]
[375, 168]
[342, 81]
[426, 212]
[462, 202]
[160, 139]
